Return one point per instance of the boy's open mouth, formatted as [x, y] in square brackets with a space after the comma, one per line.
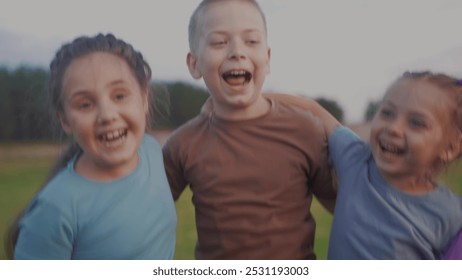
[237, 77]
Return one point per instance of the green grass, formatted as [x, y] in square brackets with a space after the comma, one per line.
[20, 178]
[186, 235]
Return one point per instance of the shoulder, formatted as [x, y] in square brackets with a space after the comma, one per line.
[150, 152]
[59, 185]
[292, 103]
[292, 106]
[344, 133]
[67, 187]
[449, 205]
[296, 117]
[452, 201]
[149, 140]
[149, 144]
[289, 99]
[188, 130]
[345, 145]
[57, 193]
[308, 105]
[344, 139]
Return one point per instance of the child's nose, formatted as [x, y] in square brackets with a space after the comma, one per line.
[236, 50]
[107, 112]
[396, 127]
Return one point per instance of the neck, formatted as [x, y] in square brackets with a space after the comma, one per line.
[103, 172]
[243, 112]
[411, 185]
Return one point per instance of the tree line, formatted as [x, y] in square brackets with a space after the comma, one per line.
[25, 115]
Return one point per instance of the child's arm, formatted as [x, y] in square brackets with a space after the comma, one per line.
[173, 167]
[45, 234]
[328, 121]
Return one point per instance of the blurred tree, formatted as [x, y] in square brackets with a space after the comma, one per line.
[160, 106]
[332, 107]
[23, 104]
[25, 116]
[6, 125]
[186, 101]
[371, 109]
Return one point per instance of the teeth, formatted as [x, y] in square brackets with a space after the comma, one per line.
[391, 148]
[112, 135]
[237, 77]
[237, 73]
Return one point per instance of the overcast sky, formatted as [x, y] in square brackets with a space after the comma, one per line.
[346, 50]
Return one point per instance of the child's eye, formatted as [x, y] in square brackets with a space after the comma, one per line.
[252, 42]
[417, 123]
[218, 43]
[120, 95]
[83, 105]
[386, 113]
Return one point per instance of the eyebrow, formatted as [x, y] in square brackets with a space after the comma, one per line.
[84, 91]
[415, 112]
[389, 103]
[116, 82]
[78, 93]
[224, 32]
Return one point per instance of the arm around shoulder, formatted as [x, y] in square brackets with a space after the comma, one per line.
[329, 122]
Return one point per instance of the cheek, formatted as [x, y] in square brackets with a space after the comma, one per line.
[203, 66]
[373, 132]
[428, 147]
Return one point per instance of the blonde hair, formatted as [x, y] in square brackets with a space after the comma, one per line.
[451, 86]
[452, 89]
[194, 20]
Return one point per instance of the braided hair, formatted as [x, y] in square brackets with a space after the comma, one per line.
[68, 52]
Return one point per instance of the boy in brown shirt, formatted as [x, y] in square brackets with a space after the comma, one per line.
[253, 162]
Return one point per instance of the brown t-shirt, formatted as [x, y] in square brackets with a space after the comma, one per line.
[252, 181]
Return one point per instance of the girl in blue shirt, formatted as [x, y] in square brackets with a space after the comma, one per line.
[111, 200]
[389, 204]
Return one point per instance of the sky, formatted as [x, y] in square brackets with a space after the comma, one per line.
[348, 51]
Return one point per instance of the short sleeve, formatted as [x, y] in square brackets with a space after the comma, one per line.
[45, 234]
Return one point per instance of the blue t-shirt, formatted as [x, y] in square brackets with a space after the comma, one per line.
[130, 218]
[374, 220]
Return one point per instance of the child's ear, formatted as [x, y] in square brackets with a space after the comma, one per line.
[452, 151]
[191, 61]
[268, 60]
[64, 124]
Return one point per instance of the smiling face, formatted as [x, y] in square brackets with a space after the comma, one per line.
[105, 110]
[407, 134]
[232, 56]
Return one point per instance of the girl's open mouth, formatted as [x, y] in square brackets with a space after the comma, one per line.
[113, 138]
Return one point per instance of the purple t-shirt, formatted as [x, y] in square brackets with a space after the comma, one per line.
[455, 250]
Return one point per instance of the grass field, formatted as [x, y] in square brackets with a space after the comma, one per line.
[21, 174]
